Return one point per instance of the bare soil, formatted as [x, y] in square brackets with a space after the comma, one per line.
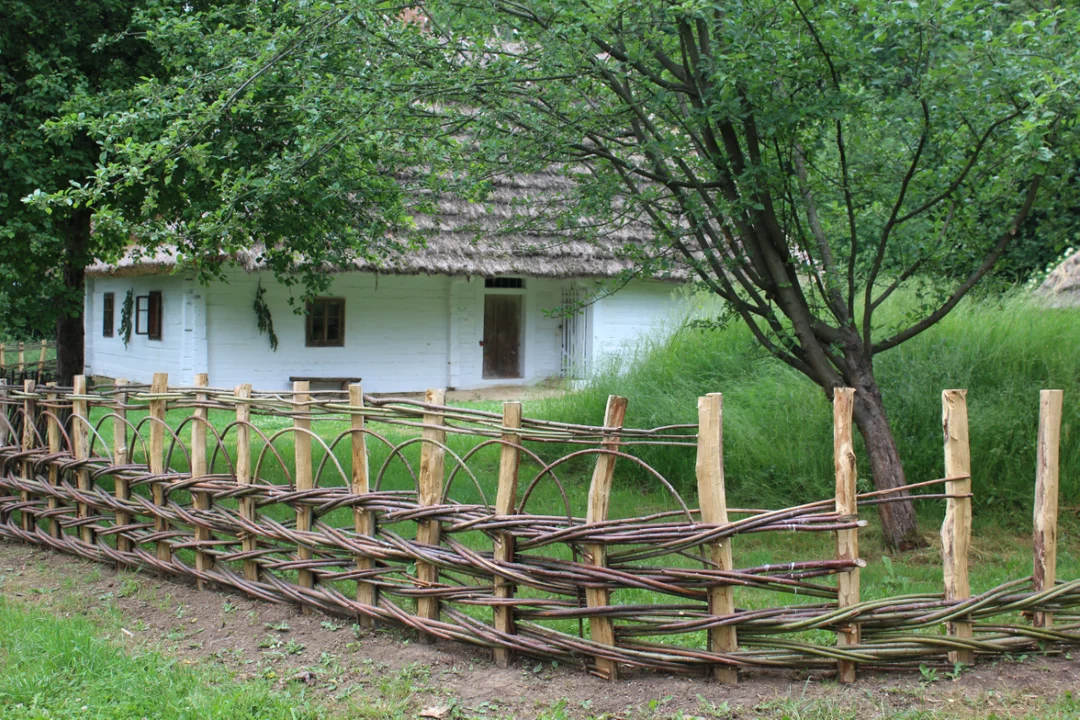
[256, 638]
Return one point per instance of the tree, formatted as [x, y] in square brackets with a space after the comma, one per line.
[179, 128]
[804, 159]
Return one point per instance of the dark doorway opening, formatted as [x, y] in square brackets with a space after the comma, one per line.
[502, 336]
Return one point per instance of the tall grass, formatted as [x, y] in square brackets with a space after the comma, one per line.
[777, 423]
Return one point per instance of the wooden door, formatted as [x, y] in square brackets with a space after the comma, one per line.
[502, 336]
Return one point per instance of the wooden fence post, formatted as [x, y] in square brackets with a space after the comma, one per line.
[364, 520]
[80, 440]
[22, 357]
[506, 499]
[159, 386]
[41, 362]
[302, 444]
[712, 496]
[956, 530]
[122, 489]
[847, 541]
[53, 436]
[4, 414]
[432, 464]
[204, 560]
[28, 443]
[602, 629]
[1044, 574]
[3, 358]
[248, 542]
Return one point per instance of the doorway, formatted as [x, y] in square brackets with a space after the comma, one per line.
[502, 336]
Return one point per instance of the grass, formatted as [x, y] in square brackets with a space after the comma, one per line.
[778, 424]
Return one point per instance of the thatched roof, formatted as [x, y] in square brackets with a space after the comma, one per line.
[505, 235]
[1062, 286]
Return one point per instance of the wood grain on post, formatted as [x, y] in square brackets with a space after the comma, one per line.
[712, 495]
[248, 541]
[121, 487]
[1044, 573]
[204, 560]
[41, 361]
[304, 481]
[505, 501]
[432, 463]
[3, 405]
[28, 443]
[3, 358]
[364, 520]
[847, 541]
[956, 530]
[80, 440]
[22, 357]
[602, 629]
[159, 386]
[53, 436]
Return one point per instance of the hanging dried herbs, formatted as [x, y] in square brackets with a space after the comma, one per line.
[125, 317]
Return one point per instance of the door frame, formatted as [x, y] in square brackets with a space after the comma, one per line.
[523, 329]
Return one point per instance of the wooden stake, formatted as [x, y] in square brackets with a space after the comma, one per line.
[304, 481]
[4, 414]
[712, 495]
[432, 463]
[53, 435]
[41, 362]
[121, 488]
[28, 444]
[80, 440]
[204, 560]
[159, 385]
[248, 541]
[505, 501]
[1044, 574]
[22, 357]
[847, 541]
[602, 629]
[364, 520]
[3, 358]
[956, 530]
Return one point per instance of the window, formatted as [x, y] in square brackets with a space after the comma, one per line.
[107, 306]
[148, 315]
[504, 283]
[326, 322]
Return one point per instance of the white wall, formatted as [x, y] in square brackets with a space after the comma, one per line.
[620, 321]
[396, 333]
[174, 353]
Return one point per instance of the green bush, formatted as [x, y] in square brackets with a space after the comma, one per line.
[777, 423]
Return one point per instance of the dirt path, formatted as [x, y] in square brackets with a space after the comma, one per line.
[256, 638]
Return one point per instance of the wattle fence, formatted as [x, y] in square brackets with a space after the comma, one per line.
[460, 524]
[21, 361]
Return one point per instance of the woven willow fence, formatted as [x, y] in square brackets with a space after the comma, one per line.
[278, 495]
[18, 363]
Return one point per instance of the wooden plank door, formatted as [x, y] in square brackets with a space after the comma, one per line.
[502, 336]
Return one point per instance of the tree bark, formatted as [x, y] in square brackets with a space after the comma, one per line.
[899, 523]
[70, 333]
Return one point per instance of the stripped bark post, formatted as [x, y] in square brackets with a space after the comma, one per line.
[428, 531]
[22, 357]
[204, 560]
[956, 530]
[847, 541]
[28, 443]
[41, 361]
[303, 479]
[367, 593]
[602, 629]
[53, 435]
[159, 386]
[1044, 573]
[248, 541]
[712, 495]
[80, 440]
[505, 501]
[4, 414]
[3, 360]
[121, 487]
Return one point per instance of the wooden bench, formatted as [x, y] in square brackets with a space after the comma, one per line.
[343, 383]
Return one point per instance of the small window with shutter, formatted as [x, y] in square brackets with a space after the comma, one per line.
[326, 322]
[108, 308]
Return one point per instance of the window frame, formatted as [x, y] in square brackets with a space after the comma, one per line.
[108, 315]
[148, 315]
[310, 339]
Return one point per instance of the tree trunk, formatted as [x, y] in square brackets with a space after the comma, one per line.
[70, 335]
[898, 521]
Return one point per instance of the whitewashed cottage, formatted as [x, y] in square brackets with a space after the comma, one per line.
[467, 311]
